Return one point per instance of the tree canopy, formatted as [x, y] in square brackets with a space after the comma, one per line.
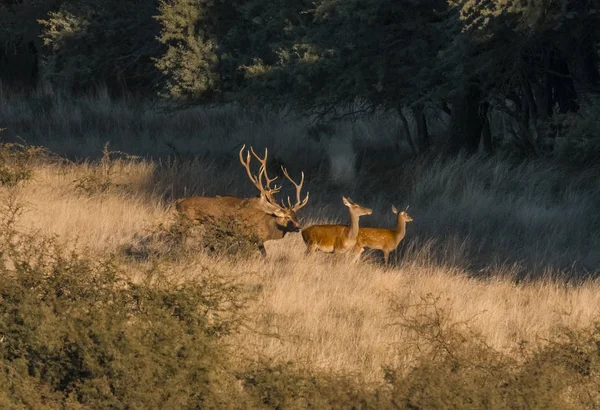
[536, 63]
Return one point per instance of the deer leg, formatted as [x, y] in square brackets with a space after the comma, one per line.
[357, 253]
[386, 256]
[310, 249]
[262, 250]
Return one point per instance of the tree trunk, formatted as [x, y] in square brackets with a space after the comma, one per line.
[486, 132]
[528, 144]
[562, 84]
[422, 129]
[582, 54]
[407, 131]
[465, 122]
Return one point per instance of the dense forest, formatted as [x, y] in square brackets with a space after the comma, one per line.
[522, 76]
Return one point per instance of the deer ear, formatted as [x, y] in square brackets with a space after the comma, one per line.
[346, 201]
[394, 210]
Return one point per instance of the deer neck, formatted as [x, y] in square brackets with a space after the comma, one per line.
[353, 231]
[400, 230]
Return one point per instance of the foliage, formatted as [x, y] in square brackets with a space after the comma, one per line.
[181, 238]
[290, 386]
[455, 368]
[348, 56]
[19, 41]
[17, 162]
[190, 60]
[532, 61]
[101, 177]
[109, 42]
[529, 60]
[576, 135]
[75, 331]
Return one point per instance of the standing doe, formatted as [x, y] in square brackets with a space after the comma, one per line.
[335, 238]
[385, 240]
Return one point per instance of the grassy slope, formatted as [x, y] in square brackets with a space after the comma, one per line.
[480, 224]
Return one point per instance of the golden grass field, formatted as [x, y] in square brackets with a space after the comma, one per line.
[322, 312]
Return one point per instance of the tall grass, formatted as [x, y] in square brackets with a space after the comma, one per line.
[451, 320]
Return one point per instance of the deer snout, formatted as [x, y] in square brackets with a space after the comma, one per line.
[293, 226]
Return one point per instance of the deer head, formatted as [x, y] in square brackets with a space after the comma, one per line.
[285, 216]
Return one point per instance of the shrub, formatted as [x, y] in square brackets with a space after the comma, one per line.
[455, 368]
[282, 386]
[75, 331]
[17, 162]
[224, 237]
[104, 42]
[576, 135]
[101, 176]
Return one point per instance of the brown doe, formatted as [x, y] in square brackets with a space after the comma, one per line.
[335, 238]
[385, 240]
[262, 217]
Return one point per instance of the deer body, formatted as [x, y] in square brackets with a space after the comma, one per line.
[246, 211]
[335, 238]
[262, 217]
[200, 208]
[385, 240]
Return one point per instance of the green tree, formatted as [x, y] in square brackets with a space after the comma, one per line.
[355, 56]
[200, 63]
[107, 42]
[530, 60]
[20, 44]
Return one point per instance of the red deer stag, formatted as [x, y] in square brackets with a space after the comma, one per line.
[262, 217]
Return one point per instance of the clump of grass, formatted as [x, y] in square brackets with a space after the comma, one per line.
[165, 241]
[17, 162]
[101, 176]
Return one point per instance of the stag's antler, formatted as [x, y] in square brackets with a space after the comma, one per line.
[263, 167]
[299, 203]
[268, 191]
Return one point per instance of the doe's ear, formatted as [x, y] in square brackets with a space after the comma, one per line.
[346, 201]
[394, 210]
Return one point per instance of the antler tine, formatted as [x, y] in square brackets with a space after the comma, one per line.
[246, 163]
[268, 192]
[299, 203]
[263, 162]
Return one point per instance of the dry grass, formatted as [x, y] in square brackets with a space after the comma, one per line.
[320, 312]
[481, 226]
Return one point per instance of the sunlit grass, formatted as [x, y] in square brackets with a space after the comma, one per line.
[319, 311]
